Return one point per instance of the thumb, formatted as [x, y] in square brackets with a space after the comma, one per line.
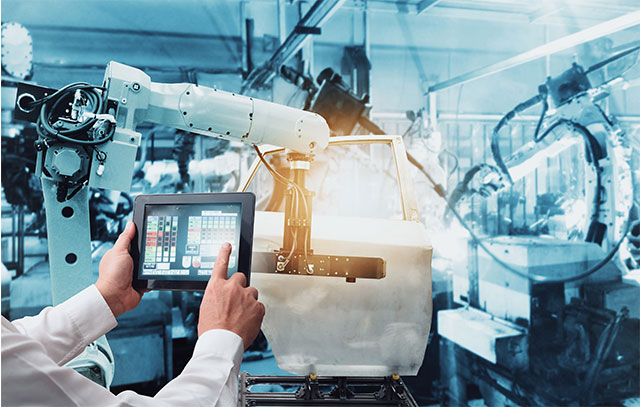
[125, 237]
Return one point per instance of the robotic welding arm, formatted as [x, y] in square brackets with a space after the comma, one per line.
[576, 120]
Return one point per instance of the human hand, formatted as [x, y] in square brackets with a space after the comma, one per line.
[116, 275]
[228, 304]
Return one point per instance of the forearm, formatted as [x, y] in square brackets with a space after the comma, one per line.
[66, 329]
[30, 377]
[209, 379]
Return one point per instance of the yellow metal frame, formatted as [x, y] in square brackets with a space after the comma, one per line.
[405, 182]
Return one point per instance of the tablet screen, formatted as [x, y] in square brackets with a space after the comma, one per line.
[181, 241]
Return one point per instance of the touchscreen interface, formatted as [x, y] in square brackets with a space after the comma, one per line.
[181, 242]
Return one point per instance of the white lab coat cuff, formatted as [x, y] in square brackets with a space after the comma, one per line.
[221, 343]
[89, 313]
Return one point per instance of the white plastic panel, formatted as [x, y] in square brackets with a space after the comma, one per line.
[327, 326]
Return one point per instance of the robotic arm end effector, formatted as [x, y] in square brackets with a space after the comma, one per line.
[294, 129]
[483, 179]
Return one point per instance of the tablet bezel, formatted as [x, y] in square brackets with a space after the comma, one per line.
[248, 203]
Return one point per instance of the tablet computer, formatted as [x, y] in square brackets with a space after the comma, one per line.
[178, 237]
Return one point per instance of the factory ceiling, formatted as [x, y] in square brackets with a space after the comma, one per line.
[208, 36]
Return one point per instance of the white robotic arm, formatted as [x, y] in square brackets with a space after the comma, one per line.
[88, 138]
[213, 112]
[201, 110]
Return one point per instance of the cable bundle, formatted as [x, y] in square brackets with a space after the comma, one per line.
[298, 195]
[95, 98]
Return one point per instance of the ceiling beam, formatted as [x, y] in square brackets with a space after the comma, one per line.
[318, 14]
[561, 44]
[425, 5]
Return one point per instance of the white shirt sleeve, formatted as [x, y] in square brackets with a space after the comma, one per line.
[66, 329]
[34, 348]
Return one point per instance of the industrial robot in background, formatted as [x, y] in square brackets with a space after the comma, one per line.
[553, 322]
[87, 138]
[576, 119]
